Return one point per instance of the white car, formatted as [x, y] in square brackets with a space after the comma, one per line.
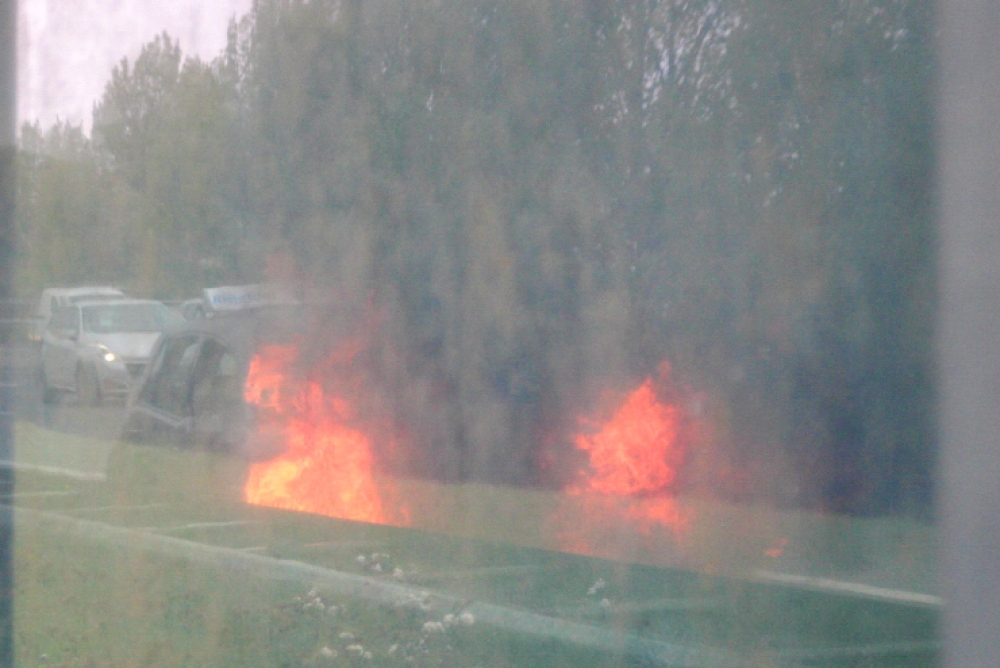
[54, 298]
[97, 348]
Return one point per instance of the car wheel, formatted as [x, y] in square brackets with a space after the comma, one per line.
[88, 388]
[50, 395]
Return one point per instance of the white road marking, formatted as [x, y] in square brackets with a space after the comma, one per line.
[28, 495]
[99, 509]
[53, 470]
[846, 587]
[198, 525]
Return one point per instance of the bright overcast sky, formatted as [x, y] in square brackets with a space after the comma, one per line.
[67, 48]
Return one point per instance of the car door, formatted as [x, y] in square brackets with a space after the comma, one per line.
[161, 413]
[219, 420]
[59, 347]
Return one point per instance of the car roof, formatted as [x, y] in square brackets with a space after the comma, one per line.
[125, 301]
[83, 290]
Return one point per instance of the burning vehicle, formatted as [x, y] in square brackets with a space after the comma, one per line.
[229, 387]
[287, 418]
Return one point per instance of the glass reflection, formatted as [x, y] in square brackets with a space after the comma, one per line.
[575, 332]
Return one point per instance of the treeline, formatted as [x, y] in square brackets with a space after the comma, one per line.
[527, 204]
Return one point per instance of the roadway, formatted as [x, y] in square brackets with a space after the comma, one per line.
[66, 415]
[62, 438]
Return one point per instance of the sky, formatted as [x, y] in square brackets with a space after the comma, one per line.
[67, 48]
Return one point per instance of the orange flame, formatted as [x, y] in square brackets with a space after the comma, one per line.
[637, 451]
[634, 458]
[327, 467]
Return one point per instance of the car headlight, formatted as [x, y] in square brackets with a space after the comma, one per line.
[107, 355]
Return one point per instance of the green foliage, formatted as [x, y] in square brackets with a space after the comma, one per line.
[126, 120]
[65, 232]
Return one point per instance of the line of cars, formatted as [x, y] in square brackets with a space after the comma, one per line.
[97, 342]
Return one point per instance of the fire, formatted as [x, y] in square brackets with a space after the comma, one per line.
[327, 467]
[633, 461]
[637, 451]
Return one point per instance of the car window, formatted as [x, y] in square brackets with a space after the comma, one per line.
[64, 319]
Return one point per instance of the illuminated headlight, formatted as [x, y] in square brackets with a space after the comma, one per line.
[107, 355]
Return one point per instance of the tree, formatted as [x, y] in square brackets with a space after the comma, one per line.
[537, 202]
[127, 115]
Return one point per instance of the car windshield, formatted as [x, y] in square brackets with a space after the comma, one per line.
[108, 318]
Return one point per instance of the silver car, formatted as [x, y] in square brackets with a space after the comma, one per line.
[98, 348]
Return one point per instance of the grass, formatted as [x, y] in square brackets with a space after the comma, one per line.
[84, 602]
[43, 449]
[83, 599]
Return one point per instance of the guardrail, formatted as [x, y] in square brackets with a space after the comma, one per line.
[16, 318]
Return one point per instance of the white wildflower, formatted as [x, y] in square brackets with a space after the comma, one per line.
[421, 602]
[596, 587]
[397, 573]
[433, 627]
[362, 559]
[328, 653]
[466, 619]
[356, 649]
[347, 635]
[393, 648]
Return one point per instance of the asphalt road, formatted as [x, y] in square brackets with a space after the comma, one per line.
[66, 415]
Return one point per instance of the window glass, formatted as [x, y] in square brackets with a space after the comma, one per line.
[169, 385]
[532, 332]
